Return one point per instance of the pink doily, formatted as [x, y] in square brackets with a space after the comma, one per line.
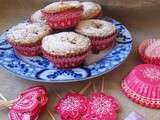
[72, 106]
[102, 107]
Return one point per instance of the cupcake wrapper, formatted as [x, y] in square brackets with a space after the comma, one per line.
[66, 61]
[146, 102]
[63, 20]
[28, 49]
[101, 43]
[141, 85]
[144, 58]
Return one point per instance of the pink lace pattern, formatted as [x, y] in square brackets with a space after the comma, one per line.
[102, 107]
[72, 107]
[29, 104]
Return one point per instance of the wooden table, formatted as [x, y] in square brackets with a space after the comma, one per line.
[143, 24]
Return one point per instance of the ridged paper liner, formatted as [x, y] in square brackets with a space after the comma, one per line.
[140, 88]
[63, 20]
[141, 50]
[102, 43]
[68, 61]
[32, 49]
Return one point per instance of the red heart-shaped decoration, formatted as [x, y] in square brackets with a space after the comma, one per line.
[26, 103]
[29, 104]
[39, 89]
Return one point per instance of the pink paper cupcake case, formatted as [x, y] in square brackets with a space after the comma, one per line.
[140, 88]
[63, 20]
[28, 49]
[139, 99]
[66, 61]
[102, 43]
[146, 59]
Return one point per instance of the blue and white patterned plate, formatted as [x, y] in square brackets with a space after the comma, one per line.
[40, 69]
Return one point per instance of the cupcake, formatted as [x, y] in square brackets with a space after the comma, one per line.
[142, 85]
[101, 33]
[153, 50]
[62, 15]
[91, 10]
[66, 49]
[37, 17]
[148, 51]
[26, 38]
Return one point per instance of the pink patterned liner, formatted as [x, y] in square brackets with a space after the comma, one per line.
[102, 43]
[63, 20]
[68, 61]
[141, 50]
[137, 98]
[32, 49]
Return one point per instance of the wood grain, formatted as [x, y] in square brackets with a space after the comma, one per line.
[133, 3]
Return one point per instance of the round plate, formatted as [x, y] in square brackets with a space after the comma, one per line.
[40, 69]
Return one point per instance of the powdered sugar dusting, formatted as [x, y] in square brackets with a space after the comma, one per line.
[27, 32]
[152, 73]
[71, 103]
[65, 43]
[90, 9]
[95, 27]
[61, 6]
[38, 17]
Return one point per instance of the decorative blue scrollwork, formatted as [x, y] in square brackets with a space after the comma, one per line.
[40, 69]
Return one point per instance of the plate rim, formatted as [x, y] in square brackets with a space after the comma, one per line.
[76, 80]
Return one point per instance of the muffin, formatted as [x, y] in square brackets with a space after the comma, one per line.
[26, 38]
[101, 33]
[142, 85]
[37, 17]
[148, 51]
[153, 50]
[66, 49]
[91, 10]
[62, 15]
